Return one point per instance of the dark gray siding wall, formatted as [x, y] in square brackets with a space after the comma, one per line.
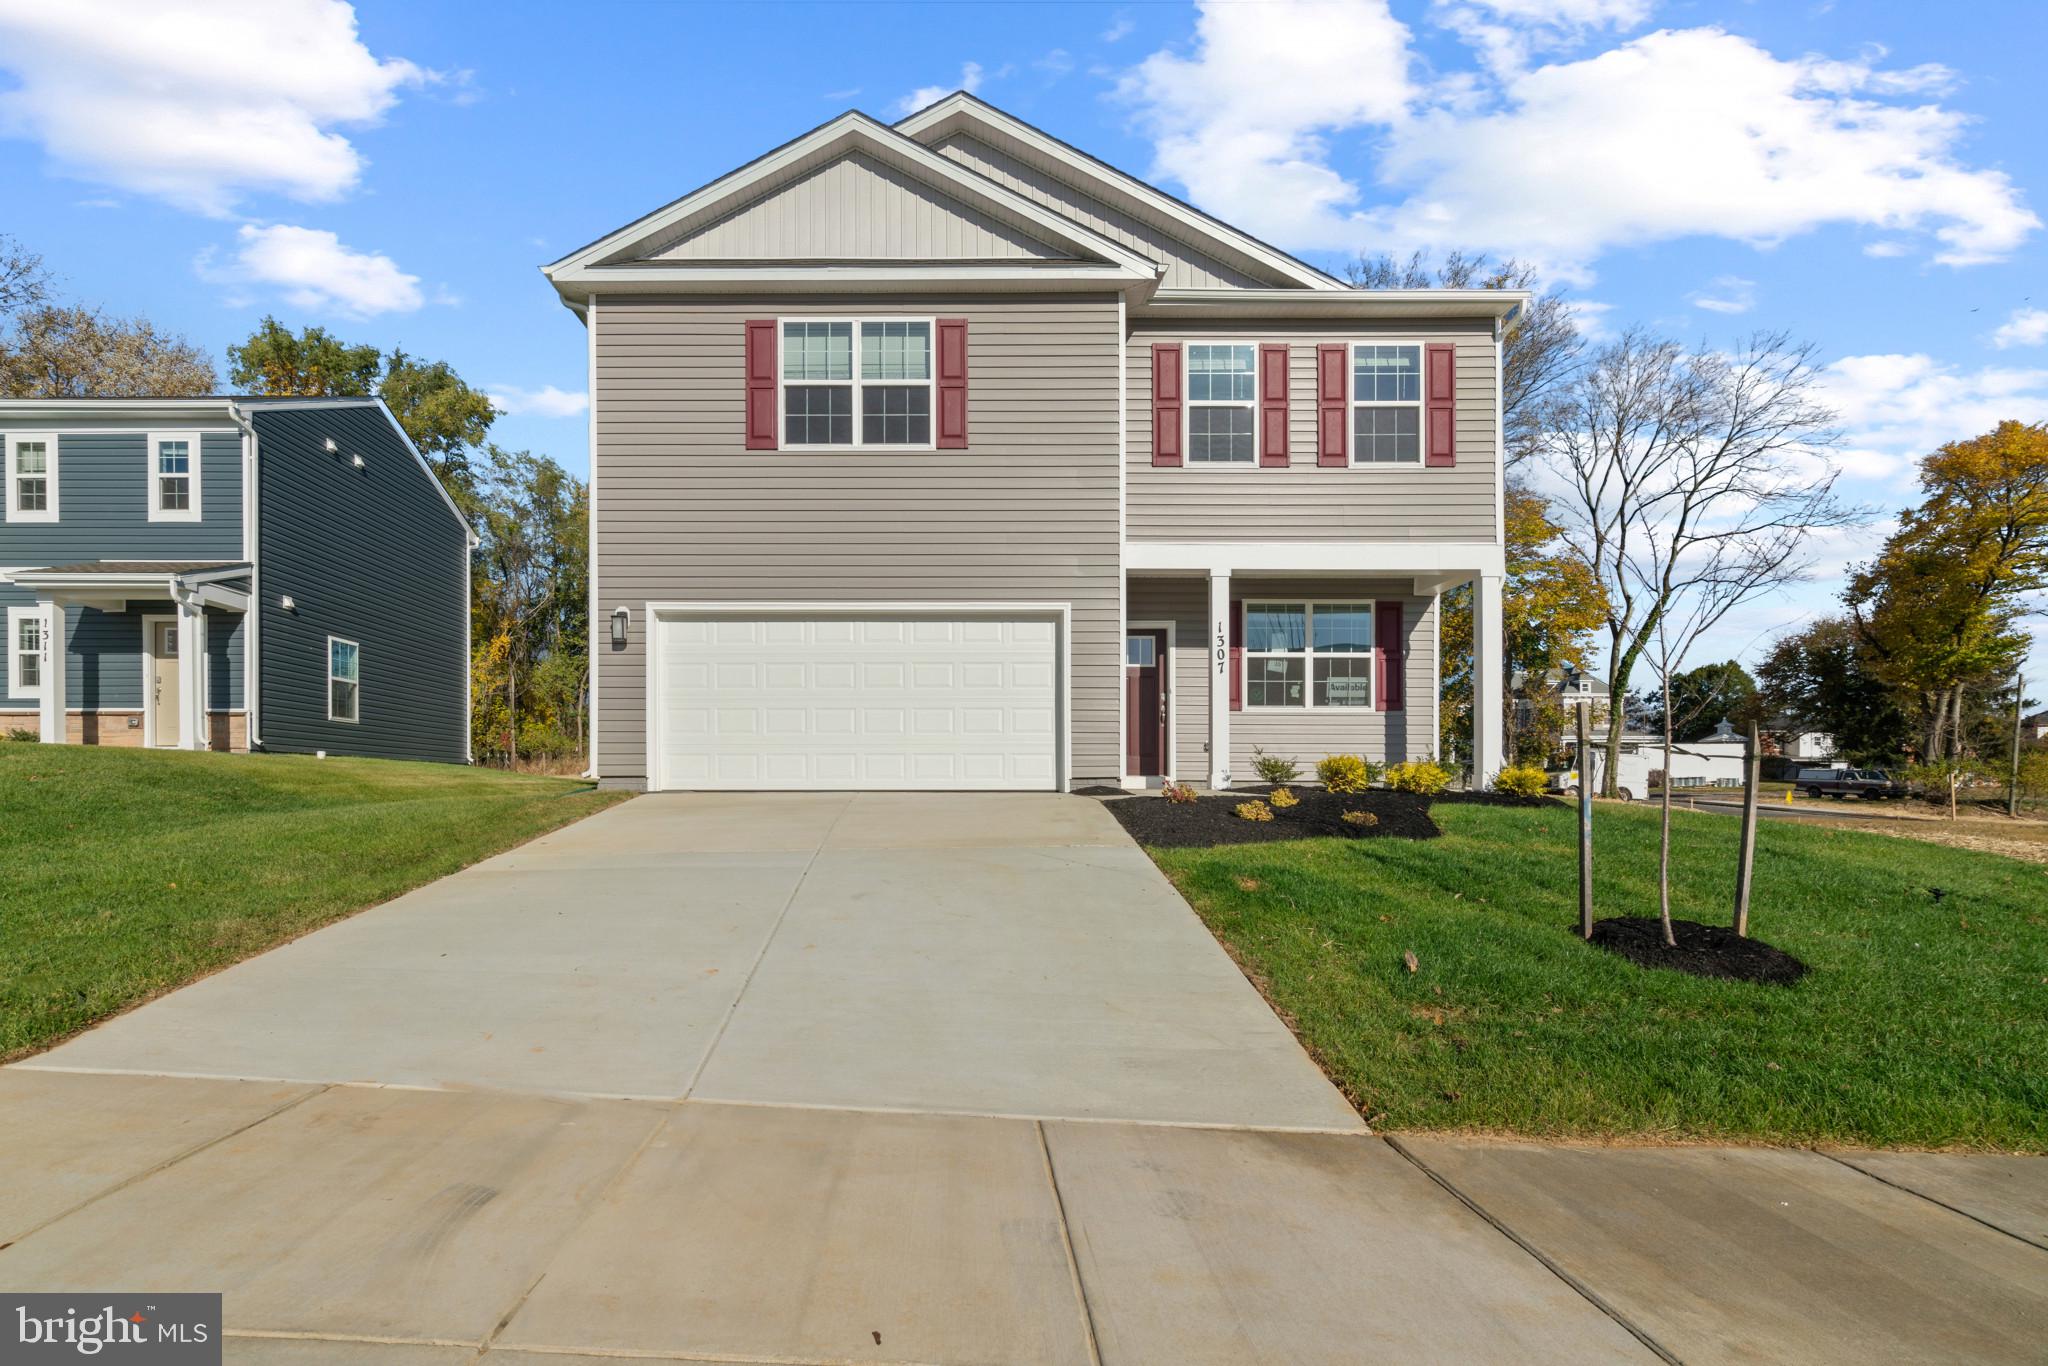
[103, 653]
[372, 555]
[1028, 513]
[103, 504]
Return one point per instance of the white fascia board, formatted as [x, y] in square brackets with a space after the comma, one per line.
[830, 139]
[645, 279]
[978, 116]
[1453, 560]
[132, 409]
[1348, 303]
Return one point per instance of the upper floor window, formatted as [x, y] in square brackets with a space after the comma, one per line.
[174, 477]
[1386, 403]
[880, 397]
[1314, 654]
[32, 477]
[1222, 399]
[344, 681]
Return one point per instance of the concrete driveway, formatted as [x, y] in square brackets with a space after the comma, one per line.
[903, 1079]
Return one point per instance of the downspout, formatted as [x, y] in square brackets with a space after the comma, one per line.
[252, 653]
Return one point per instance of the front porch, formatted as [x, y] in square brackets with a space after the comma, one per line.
[130, 653]
[1299, 651]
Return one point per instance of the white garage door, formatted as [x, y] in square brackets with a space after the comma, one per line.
[874, 701]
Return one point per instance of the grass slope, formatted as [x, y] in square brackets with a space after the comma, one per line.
[130, 872]
[1924, 1023]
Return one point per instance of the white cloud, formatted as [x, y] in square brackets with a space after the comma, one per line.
[1887, 249]
[1896, 408]
[2026, 327]
[198, 105]
[1728, 294]
[1591, 318]
[546, 401]
[1119, 29]
[315, 272]
[970, 81]
[1508, 33]
[1677, 133]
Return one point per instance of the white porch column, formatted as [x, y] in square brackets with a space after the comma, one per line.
[50, 709]
[1219, 678]
[191, 674]
[1489, 645]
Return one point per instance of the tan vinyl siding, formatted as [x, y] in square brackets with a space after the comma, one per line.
[1305, 502]
[1300, 734]
[1186, 266]
[1027, 514]
[856, 209]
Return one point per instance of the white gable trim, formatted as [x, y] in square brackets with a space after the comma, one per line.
[963, 112]
[608, 255]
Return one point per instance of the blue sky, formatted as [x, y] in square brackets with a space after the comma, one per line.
[1865, 175]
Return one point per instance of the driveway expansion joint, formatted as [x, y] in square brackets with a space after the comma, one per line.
[1930, 1199]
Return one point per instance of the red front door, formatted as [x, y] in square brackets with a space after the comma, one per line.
[1145, 704]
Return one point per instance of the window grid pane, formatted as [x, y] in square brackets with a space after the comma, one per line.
[1386, 436]
[1220, 434]
[896, 351]
[895, 414]
[1274, 681]
[1343, 681]
[817, 351]
[33, 495]
[343, 699]
[31, 457]
[1273, 627]
[175, 495]
[1220, 374]
[173, 457]
[1142, 651]
[341, 661]
[1386, 374]
[1343, 628]
[817, 414]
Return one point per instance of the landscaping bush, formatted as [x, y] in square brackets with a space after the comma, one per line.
[1180, 794]
[19, 734]
[1254, 811]
[1282, 798]
[1273, 768]
[1423, 777]
[1345, 773]
[1521, 780]
[1359, 818]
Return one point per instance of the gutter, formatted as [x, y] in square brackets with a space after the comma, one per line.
[252, 628]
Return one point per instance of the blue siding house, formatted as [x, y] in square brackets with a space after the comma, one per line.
[232, 574]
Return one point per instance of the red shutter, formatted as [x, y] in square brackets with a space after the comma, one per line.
[1273, 405]
[952, 426]
[1166, 405]
[1440, 394]
[1237, 656]
[1333, 395]
[1389, 635]
[761, 385]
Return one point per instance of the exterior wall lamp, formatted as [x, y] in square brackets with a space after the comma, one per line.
[620, 616]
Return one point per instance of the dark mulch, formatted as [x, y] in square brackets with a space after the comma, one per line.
[1214, 820]
[1703, 950]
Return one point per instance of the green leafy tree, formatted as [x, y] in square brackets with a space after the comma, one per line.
[1704, 697]
[312, 363]
[531, 609]
[1821, 678]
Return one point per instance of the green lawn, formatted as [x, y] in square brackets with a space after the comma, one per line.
[129, 872]
[1922, 1024]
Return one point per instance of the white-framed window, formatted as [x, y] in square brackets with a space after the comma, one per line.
[27, 639]
[32, 477]
[857, 382]
[344, 679]
[1386, 403]
[174, 476]
[1308, 654]
[1222, 403]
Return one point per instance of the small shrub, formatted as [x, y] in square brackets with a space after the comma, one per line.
[21, 734]
[1273, 768]
[1180, 794]
[1255, 811]
[1345, 773]
[1365, 818]
[1423, 777]
[1521, 780]
[1282, 799]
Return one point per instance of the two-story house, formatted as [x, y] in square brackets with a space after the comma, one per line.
[231, 574]
[944, 455]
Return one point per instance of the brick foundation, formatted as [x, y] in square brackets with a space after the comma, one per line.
[229, 730]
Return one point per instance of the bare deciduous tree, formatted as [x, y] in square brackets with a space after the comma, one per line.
[68, 351]
[1695, 483]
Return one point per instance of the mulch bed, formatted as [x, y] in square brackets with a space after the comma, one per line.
[1213, 820]
[1703, 950]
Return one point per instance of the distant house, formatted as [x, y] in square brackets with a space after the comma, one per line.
[2035, 727]
[1555, 685]
[233, 574]
[1798, 741]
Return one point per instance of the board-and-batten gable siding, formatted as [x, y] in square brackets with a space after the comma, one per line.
[372, 555]
[857, 209]
[103, 502]
[1303, 735]
[1305, 502]
[1027, 513]
[1187, 267]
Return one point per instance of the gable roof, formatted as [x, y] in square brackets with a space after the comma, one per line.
[961, 111]
[633, 256]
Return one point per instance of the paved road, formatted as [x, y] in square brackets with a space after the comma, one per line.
[894, 1079]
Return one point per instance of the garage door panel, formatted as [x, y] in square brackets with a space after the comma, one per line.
[907, 702]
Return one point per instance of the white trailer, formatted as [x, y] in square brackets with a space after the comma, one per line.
[1694, 763]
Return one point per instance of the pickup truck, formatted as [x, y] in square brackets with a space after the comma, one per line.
[1849, 782]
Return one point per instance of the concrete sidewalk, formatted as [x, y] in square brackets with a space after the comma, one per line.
[893, 1080]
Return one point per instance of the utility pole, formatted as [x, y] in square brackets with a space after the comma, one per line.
[2012, 786]
[1585, 820]
[1752, 773]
